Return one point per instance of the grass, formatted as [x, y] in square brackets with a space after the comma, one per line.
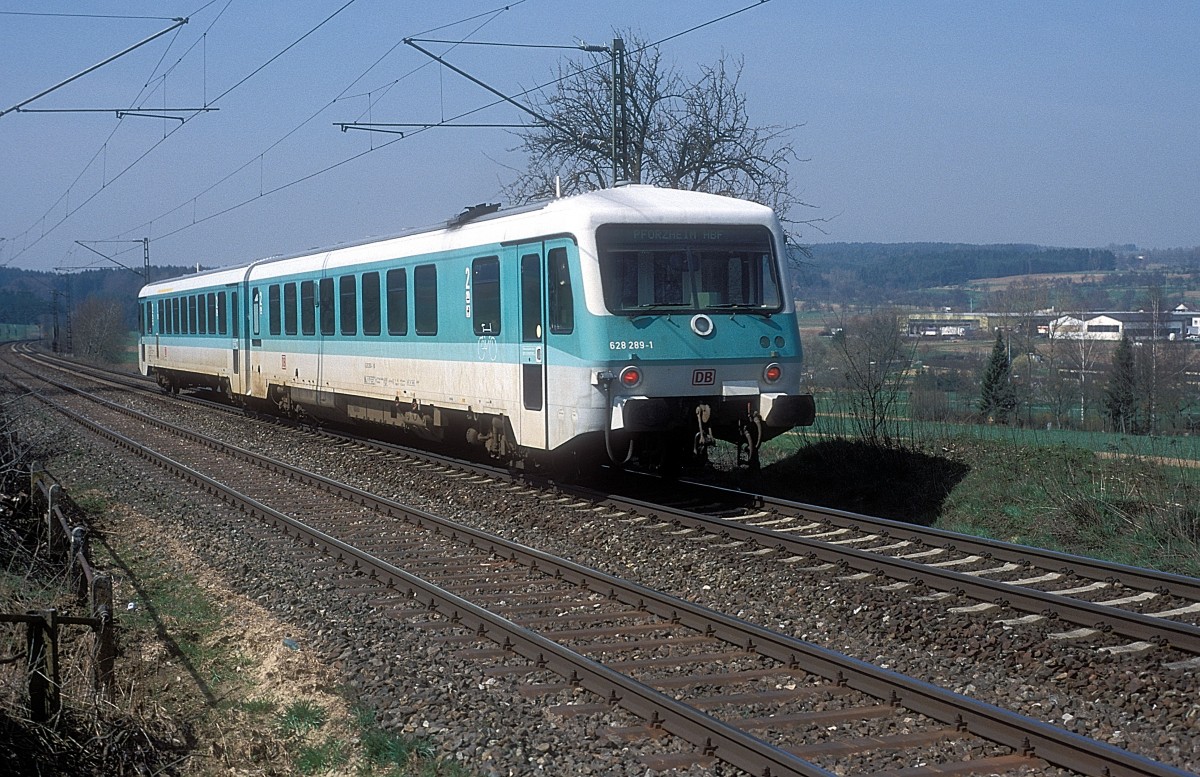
[173, 607]
[301, 717]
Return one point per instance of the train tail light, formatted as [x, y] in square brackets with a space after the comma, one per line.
[631, 377]
[772, 373]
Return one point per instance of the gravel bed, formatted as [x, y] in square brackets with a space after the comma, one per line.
[1130, 700]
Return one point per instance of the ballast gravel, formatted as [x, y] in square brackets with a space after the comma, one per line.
[1137, 701]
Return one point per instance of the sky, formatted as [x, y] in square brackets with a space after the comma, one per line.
[1050, 122]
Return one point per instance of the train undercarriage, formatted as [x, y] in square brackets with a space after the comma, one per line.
[664, 434]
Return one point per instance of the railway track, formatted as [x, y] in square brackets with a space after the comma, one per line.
[1087, 597]
[1082, 598]
[653, 647]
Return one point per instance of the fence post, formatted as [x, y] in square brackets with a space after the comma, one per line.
[41, 648]
[77, 559]
[53, 541]
[106, 649]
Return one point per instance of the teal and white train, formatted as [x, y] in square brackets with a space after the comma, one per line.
[634, 321]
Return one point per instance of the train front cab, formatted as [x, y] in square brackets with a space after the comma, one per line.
[703, 344]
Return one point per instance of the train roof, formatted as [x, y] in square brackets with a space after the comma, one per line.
[485, 224]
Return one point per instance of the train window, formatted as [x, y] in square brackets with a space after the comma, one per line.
[308, 308]
[212, 313]
[688, 268]
[370, 303]
[558, 293]
[485, 295]
[143, 312]
[273, 318]
[531, 298]
[289, 308]
[222, 313]
[348, 304]
[425, 299]
[191, 303]
[202, 320]
[177, 324]
[397, 302]
[236, 318]
[328, 313]
[256, 313]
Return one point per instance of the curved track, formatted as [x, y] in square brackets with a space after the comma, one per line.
[647, 648]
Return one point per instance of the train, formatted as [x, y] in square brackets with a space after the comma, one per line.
[630, 324]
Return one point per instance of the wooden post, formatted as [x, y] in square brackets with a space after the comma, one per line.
[106, 648]
[41, 646]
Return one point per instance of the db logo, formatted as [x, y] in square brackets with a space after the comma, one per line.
[704, 377]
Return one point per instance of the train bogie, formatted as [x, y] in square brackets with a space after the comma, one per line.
[613, 321]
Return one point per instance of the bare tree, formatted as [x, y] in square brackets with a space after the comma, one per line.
[98, 328]
[1021, 302]
[874, 359]
[685, 135]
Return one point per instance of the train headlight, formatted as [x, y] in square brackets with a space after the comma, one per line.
[631, 377]
[772, 373]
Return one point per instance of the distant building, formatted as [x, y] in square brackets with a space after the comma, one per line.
[1136, 325]
[1176, 324]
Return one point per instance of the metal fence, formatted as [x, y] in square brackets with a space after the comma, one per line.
[68, 544]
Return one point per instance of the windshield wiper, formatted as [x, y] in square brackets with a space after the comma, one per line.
[743, 306]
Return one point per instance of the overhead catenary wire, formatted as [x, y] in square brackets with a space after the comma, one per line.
[491, 14]
[264, 192]
[154, 146]
[423, 127]
[102, 150]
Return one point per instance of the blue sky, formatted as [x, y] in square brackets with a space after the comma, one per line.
[1059, 123]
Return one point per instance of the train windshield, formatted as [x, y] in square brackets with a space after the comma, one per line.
[688, 268]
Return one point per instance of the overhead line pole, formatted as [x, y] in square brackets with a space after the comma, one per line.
[179, 22]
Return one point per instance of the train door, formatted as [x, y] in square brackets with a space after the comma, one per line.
[533, 423]
[230, 314]
[325, 298]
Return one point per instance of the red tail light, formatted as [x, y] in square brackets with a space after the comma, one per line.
[772, 373]
[631, 377]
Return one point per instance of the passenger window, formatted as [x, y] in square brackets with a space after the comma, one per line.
[558, 294]
[308, 308]
[256, 313]
[328, 313]
[349, 304]
[178, 326]
[192, 315]
[212, 313]
[237, 314]
[397, 302]
[289, 308]
[485, 295]
[202, 326]
[531, 299]
[222, 314]
[370, 303]
[425, 299]
[273, 319]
